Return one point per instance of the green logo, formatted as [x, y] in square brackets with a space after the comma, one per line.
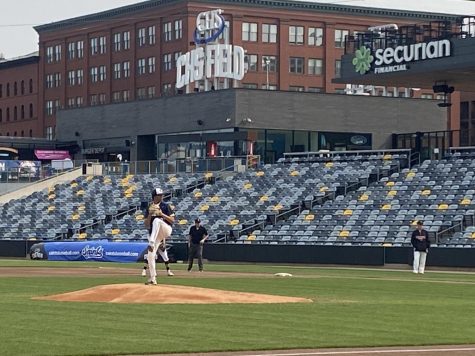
[363, 60]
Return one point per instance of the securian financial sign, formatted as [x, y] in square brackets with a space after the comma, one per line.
[387, 60]
[210, 59]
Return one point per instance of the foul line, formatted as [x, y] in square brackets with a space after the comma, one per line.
[365, 352]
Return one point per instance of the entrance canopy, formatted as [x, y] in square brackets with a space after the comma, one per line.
[416, 56]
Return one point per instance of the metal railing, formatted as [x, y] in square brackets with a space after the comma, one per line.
[458, 227]
[332, 154]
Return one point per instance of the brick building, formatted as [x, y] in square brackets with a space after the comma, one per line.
[19, 97]
[129, 53]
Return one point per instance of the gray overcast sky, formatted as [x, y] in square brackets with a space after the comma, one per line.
[17, 17]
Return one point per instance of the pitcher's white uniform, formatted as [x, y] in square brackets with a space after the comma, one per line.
[160, 231]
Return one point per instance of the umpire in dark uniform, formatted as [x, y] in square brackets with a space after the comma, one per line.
[196, 238]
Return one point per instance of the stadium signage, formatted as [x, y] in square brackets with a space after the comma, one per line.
[396, 59]
[210, 59]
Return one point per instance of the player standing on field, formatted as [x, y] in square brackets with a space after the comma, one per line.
[159, 219]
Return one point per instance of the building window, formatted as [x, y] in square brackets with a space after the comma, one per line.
[15, 113]
[126, 39]
[15, 89]
[93, 100]
[315, 90]
[126, 69]
[22, 87]
[178, 29]
[49, 107]
[71, 50]
[31, 133]
[22, 115]
[94, 46]
[167, 31]
[102, 99]
[94, 74]
[57, 105]
[71, 103]
[117, 41]
[249, 31]
[31, 111]
[31, 86]
[141, 37]
[1, 90]
[126, 95]
[49, 80]
[315, 66]
[79, 101]
[225, 34]
[116, 96]
[102, 45]
[151, 64]
[176, 55]
[251, 60]
[117, 70]
[1, 116]
[151, 92]
[249, 86]
[141, 93]
[315, 36]
[166, 89]
[340, 37]
[80, 49]
[57, 80]
[269, 33]
[49, 133]
[296, 88]
[296, 34]
[141, 66]
[49, 54]
[57, 53]
[167, 62]
[71, 78]
[151, 35]
[427, 96]
[8, 89]
[8, 114]
[102, 73]
[296, 65]
[337, 68]
[80, 76]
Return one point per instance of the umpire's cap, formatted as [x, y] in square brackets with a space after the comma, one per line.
[197, 220]
[157, 191]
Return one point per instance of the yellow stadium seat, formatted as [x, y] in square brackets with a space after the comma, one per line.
[364, 197]
[466, 202]
[294, 173]
[115, 231]
[414, 222]
[80, 192]
[323, 189]
[329, 164]
[51, 196]
[234, 222]
[204, 207]
[51, 190]
[389, 184]
[74, 184]
[264, 198]
[309, 217]
[129, 195]
[344, 233]
[215, 199]
[75, 217]
[198, 195]
[392, 193]
[411, 175]
[388, 156]
[89, 178]
[443, 206]
[426, 192]
[386, 207]
[139, 217]
[247, 186]
[348, 212]
[172, 180]
[51, 208]
[81, 208]
[209, 175]
[473, 235]
[82, 236]
[278, 207]
[251, 238]
[32, 238]
[260, 173]
[387, 244]
[183, 222]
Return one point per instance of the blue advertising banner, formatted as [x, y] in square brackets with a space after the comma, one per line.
[104, 251]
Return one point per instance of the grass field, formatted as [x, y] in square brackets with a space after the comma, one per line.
[352, 307]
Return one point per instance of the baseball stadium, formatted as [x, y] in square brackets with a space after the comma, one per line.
[245, 178]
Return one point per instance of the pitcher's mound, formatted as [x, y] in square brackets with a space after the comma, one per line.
[166, 294]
